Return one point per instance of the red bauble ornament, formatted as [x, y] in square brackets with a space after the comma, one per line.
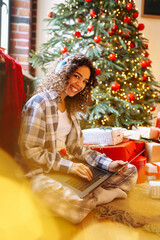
[146, 45]
[126, 34]
[127, 19]
[112, 56]
[115, 86]
[141, 26]
[131, 96]
[135, 15]
[132, 45]
[115, 27]
[153, 108]
[110, 32]
[102, 13]
[90, 28]
[92, 13]
[79, 20]
[97, 71]
[148, 62]
[144, 78]
[129, 6]
[146, 54]
[50, 14]
[64, 50]
[97, 39]
[77, 34]
[87, 0]
[143, 64]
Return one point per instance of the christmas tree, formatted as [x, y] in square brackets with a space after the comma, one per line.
[107, 32]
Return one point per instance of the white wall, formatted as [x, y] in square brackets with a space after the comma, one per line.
[43, 8]
[151, 32]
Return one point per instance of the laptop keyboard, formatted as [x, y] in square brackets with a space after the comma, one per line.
[81, 183]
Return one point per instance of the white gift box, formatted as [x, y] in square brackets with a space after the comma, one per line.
[152, 170]
[154, 189]
[149, 132]
[103, 136]
[152, 151]
[131, 134]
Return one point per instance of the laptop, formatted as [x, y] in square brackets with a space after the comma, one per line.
[82, 186]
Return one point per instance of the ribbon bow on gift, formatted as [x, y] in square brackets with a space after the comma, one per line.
[157, 174]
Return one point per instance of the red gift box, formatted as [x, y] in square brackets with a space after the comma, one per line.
[126, 151]
[140, 163]
[140, 146]
[123, 151]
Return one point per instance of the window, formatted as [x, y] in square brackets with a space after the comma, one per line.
[4, 23]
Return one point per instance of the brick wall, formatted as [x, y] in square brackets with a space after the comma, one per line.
[23, 31]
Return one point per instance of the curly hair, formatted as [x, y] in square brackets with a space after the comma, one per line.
[58, 81]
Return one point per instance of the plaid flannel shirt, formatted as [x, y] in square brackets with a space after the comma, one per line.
[37, 139]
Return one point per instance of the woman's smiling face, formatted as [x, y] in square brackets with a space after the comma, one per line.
[78, 80]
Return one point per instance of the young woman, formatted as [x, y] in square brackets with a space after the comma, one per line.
[49, 124]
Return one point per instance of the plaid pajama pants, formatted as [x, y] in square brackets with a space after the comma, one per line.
[64, 202]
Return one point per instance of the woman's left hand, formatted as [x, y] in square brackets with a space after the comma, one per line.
[116, 165]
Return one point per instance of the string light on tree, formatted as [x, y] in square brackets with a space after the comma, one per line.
[111, 37]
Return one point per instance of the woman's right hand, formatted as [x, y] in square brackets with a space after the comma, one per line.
[81, 170]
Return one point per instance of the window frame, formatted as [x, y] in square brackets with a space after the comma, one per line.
[4, 40]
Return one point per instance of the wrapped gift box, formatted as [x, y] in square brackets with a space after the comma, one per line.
[103, 136]
[140, 145]
[149, 132]
[140, 163]
[131, 134]
[123, 151]
[153, 170]
[152, 151]
[154, 189]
